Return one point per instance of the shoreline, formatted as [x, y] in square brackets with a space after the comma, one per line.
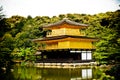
[63, 65]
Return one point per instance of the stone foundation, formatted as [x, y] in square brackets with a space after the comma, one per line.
[64, 65]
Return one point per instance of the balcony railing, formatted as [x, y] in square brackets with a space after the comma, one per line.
[52, 48]
[50, 34]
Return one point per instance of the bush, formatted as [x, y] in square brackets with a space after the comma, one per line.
[114, 71]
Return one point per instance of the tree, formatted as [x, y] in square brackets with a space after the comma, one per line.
[114, 71]
[4, 26]
[26, 54]
[16, 24]
[106, 28]
[6, 47]
[1, 14]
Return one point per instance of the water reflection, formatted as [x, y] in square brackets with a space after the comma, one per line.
[86, 73]
[32, 73]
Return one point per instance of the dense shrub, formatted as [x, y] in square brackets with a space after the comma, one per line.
[114, 71]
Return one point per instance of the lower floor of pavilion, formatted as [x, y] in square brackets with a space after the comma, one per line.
[65, 56]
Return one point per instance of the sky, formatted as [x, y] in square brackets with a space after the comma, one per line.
[56, 7]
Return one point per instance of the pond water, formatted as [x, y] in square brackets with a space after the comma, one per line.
[33, 73]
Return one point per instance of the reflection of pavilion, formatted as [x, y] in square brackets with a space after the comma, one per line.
[86, 73]
[66, 42]
[66, 74]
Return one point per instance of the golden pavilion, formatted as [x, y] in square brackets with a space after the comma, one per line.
[66, 42]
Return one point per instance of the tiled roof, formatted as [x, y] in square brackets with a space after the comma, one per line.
[65, 20]
[62, 37]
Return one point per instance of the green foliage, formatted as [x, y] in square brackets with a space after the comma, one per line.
[6, 47]
[114, 71]
[26, 54]
[16, 23]
[4, 27]
[106, 77]
[105, 28]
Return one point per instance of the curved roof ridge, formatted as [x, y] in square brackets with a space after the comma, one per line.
[63, 36]
[65, 20]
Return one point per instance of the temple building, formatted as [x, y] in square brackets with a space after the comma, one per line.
[66, 42]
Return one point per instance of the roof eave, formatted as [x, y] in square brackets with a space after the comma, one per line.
[65, 21]
[62, 37]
